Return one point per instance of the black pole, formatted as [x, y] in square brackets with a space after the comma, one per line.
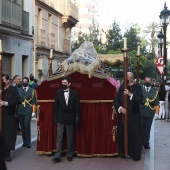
[165, 54]
[161, 49]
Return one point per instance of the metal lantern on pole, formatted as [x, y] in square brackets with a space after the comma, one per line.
[164, 18]
[160, 42]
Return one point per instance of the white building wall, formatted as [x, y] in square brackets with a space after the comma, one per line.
[88, 14]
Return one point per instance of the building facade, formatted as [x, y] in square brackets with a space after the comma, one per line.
[53, 22]
[16, 23]
[88, 17]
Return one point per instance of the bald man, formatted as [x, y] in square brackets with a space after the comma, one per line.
[134, 97]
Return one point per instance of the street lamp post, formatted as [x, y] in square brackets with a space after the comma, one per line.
[160, 42]
[164, 17]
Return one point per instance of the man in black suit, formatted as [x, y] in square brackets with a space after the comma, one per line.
[10, 98]
[66, 115]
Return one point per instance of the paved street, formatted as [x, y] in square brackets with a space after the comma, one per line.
[157, 158]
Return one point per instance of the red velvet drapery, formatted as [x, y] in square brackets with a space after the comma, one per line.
[93, 134]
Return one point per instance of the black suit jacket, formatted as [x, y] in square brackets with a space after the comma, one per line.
[66, 114]
[10, 95]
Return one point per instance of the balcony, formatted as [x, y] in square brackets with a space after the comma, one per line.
[73, 11]
[66, 47]
[51, 41]
[41, 38]
[14, 17]
[25, 21]
[11, 14]
[70, 13]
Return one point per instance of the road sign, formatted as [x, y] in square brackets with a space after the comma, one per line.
[160, 64]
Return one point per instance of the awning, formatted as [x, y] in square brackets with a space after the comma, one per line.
[112, 59]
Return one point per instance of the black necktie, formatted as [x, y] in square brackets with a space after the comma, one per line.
[147, 89]
[25, 88]
[65, 90]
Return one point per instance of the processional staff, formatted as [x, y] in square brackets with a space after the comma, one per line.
[125, 50]
[1, 84]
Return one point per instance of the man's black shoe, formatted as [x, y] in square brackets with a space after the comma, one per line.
[28, 146]
[69, 158]
[8, 158]
[24, 145]
[56, 160]
[136, 159]
[147, 147]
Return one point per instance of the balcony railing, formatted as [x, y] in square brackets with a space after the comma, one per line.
[16, 16]
[51, 40]
[25, 21]
[6, 13]
[66, 47]
[41, 38]
[67, 8]
[11, 14]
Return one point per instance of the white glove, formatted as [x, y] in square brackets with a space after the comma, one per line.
[33, 114]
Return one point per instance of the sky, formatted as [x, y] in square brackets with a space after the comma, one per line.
[126, 12]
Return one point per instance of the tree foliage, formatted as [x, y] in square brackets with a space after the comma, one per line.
[132, 36]
[114, 38]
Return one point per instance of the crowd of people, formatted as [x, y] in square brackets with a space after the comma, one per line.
[18, 106]
[143, 103]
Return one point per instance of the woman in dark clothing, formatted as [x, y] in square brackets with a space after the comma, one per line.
[161, 95]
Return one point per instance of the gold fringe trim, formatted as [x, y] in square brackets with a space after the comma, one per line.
[80, 155]
[114, 113]
[114, 133]
[81, 101]
[46, 153]
[97, 155]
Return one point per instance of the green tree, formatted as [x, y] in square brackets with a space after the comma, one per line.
[150, 69]
[142, 63]
[114, 37]
[132, 35]
[152, 29]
